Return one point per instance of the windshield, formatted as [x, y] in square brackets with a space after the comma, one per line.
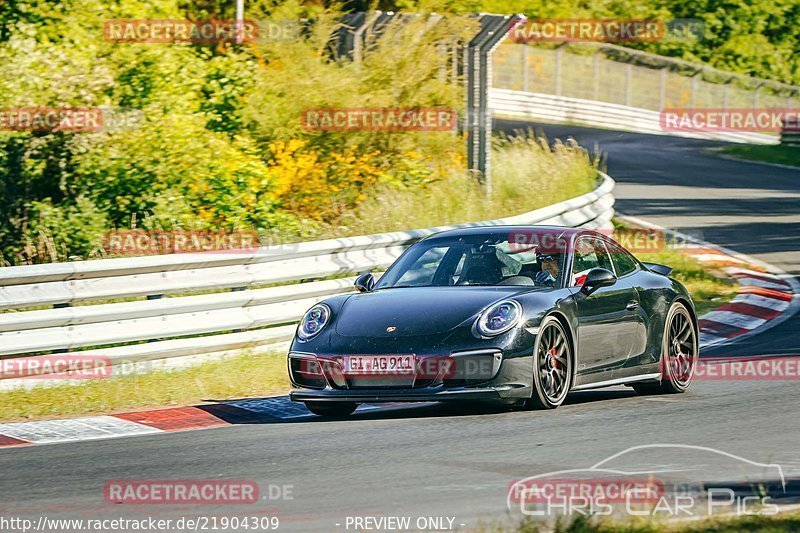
[481, 259]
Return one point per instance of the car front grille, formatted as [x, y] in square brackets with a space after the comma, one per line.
[456, 370]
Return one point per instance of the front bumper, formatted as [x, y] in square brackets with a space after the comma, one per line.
[461, 369]
[481, 375]
[429, 394]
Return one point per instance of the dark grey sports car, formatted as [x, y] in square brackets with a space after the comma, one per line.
[519, 314]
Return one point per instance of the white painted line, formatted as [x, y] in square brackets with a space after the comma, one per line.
[92, 427]
[734, 319]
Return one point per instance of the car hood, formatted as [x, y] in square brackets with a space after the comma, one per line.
[415, 310]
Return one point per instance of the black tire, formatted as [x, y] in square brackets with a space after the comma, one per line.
[552, 366]
[679, 353]
[331, 409]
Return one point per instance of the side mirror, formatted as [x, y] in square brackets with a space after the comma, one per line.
[365, 282]
[596, 278]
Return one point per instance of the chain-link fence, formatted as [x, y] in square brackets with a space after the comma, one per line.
[613, 74]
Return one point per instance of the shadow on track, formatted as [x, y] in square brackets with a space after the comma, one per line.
[280, 410]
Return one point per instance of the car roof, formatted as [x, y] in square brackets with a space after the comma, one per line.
[487, 230]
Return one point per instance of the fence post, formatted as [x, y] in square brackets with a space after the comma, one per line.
[596, 75]
[559, 54]
[755, 95]
[628, 88]
[525, 84]
[662, 87]
[478, 65]
[694, 86]
[725, 94]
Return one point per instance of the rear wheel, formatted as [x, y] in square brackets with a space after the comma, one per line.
[331, 409]
[552, 366]
[679, 354]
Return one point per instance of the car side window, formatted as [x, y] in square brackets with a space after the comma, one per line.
[590, 252]
[623, 261]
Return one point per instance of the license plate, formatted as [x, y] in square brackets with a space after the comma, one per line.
[379, 364]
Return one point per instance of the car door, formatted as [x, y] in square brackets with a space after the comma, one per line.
[628, 270]
[604, 316]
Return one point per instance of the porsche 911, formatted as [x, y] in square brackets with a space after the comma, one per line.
[515, 314]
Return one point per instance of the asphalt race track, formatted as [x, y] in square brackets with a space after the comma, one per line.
[435, 461]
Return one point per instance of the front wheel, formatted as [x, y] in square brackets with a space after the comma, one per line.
[679, 354]
[331, 409]
[552, 366]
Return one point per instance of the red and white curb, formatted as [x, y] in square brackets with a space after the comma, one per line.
[766, 294]
[766, 297]
[763, 297]
[253, 411]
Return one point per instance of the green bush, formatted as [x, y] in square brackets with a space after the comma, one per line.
[220, 143]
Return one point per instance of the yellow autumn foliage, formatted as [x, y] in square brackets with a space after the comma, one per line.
[320, 185]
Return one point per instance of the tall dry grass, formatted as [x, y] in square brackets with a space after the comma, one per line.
[528, 172]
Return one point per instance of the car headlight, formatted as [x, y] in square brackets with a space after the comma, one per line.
[498, 318]
[313, 321]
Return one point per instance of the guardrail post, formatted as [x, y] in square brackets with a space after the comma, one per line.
[662, 87]
[61, 306]
[154, 297]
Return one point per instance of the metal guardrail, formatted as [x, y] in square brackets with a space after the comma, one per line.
[192, 324]
[790, 137]
[631, 87]
[549, 108]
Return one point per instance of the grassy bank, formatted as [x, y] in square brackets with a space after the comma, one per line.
[709, 289]
[527, 173]
[235, 377]
[780, 154]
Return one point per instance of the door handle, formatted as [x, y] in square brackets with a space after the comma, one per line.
[632, 305]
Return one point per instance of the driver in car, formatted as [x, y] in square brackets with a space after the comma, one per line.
[549, 273]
